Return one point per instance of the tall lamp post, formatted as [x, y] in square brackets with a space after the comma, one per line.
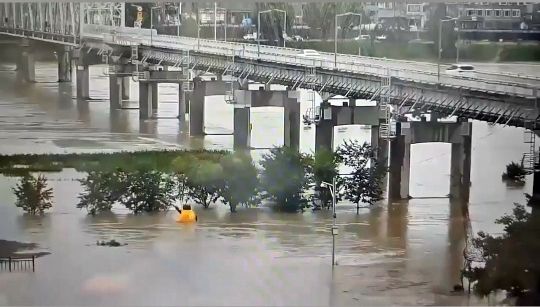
[152, 24]
[259, 27]
[336, 31]
[332, 188]
[440, 47]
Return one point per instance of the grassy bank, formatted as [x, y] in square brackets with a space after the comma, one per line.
[146, 160]
[482, 52]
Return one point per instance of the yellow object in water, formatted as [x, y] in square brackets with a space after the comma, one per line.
[187, 215]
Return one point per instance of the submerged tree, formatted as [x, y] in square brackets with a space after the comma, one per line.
[364, 184]
[240, 181]
[285, 177]
[148, 191]
[101, 191]
[511, 260]
[205, 181]
[515, 172]
[33, 195]
[324, 168]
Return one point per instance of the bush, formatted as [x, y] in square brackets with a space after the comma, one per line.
[285, 177]
[364, 184]
[510, 260]
[204, 181]
[324, 168]
[148, 191]
[515, 172]
[101, 191]
[241, 182]
[32, 194]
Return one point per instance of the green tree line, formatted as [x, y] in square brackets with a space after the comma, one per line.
[285, 177]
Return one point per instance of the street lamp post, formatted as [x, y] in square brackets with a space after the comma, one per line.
[336, 31]
[332, 188]
[152, 24]
[259, 27]
[215, 21]
[440, 47]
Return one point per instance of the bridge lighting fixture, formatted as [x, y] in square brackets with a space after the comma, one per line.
[259, 27]
[336, 31]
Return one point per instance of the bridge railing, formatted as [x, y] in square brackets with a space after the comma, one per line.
[291, 56]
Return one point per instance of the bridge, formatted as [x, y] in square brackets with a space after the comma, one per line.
[95, 33]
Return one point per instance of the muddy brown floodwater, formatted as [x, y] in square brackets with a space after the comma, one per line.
[403, 253]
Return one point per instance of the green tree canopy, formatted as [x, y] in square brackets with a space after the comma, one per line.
[101, 191]
[325, 168]
[33, 195]
[511, 260]
[285, 177]
[240, 180]
[204, 181]
[364, 184]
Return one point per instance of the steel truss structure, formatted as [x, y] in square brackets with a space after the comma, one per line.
[59, 22]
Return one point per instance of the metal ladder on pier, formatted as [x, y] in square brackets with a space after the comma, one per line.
[384, 106]
[530, 158]
[313, 114]
[229, 94]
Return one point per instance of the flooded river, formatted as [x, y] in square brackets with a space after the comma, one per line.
[402, 253]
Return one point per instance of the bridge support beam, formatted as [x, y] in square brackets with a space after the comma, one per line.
[64, 64]
[147, 99]
[246, 99]
[350, 114]
[83, 82]
[400, 165]
[201, 89]
[242, 128]
[27, 63]
[115, 92]
[181, 103]
[125, 88]
[460, 169]
[407, 133]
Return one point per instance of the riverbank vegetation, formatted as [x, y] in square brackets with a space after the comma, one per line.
[514, 172]
[33, 194]
[155, 181]
[510, 260]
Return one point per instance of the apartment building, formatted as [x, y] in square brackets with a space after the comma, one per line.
[496, 16]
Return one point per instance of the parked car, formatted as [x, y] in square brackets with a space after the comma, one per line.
[298, 38]
[380, 37]
[465, 70]
[362, 37]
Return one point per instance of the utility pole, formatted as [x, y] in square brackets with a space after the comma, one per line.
[215, 21]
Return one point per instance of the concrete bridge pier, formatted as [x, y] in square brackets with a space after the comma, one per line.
[247, 99]
[242, 128]
[115, 92]
[83, 82]
[407, 133]
[64, 64]
[181, 103]
[349, 114]
[201, 89]
[125, 88]
[148, 99]
[26, 64]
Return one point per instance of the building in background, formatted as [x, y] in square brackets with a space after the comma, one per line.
[496, 16]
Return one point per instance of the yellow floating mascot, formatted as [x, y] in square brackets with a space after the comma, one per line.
[186, 215]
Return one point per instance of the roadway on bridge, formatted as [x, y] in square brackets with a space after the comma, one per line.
[489, 80]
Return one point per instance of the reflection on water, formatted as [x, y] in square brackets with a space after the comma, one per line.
[401, 253]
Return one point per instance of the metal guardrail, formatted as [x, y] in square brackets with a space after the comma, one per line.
[346, 63]
[18, 263]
